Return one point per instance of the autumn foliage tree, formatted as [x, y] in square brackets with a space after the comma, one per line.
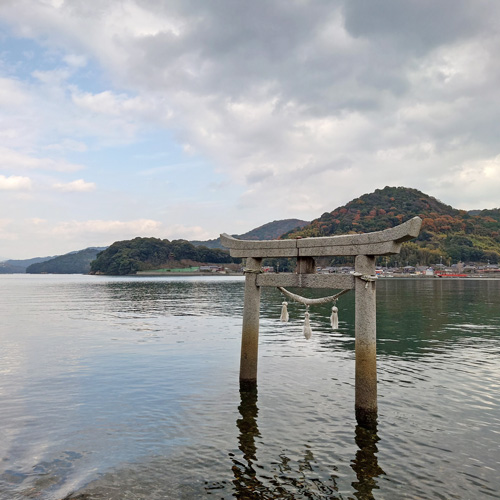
[447, 233]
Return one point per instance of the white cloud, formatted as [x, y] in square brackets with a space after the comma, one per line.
[479, 180]
[104, 232]
[6, 234]
[108, 227]
[105, 102]
[52, 78]
[75, 186]
[68, 145]
[53, 3]
[130, 110]
[133, 19]
[14, 160]
[36, 221]
[301, 106]
[179, 231]
[12, 94]
[75, 60]
[15, 183]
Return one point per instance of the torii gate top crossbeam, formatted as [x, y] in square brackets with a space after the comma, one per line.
[365, 247]
[387, 242]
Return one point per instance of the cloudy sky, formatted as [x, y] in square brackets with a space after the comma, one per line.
[187, 118]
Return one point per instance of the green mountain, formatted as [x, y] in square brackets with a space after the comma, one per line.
[70, 263]
[215, 243]
[19, 266]
[143, 254]
[273, 230]
[6, 268]
[270, 231]
[447, 234]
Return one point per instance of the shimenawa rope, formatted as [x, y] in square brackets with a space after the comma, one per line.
[334, 319]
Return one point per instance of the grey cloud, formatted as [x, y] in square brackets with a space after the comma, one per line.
[257, 176]
[338, 79]
[227, 49]
[419, 25]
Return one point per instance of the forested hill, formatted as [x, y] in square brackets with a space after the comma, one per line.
[447, 233]
[270, 231]
[143, 254]
[70, 263]
[273, 230]
[12, 266]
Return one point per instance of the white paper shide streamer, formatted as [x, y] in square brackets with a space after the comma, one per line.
[284, 312]
[307, 325]
[334, 318]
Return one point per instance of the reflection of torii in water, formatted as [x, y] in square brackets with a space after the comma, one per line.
[248, 485]
[365, 247]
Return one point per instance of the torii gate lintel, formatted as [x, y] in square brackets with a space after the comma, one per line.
[364, 247]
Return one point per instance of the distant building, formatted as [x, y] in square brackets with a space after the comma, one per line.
[212, 269]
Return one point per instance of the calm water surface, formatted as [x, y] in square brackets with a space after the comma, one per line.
[127, 388]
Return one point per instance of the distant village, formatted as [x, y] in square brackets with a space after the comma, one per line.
[459, 270]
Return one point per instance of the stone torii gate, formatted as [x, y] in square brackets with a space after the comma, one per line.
[364, 247]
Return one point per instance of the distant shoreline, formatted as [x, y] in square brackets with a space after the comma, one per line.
[480, 276]
[146, 274]
[152, 273]
[396, 276]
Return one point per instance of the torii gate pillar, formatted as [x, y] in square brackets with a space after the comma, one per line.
[364, 247]
[365, 342]
[250, 330]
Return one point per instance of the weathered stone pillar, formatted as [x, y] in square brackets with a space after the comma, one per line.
[305, 265]
[365, 345]
[250, 331]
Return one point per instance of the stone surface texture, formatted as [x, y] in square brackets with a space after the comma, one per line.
[332, 281]
[250, 330]
[387, 242]
[366, 339]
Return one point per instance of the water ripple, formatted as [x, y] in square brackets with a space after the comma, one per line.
[126, 388]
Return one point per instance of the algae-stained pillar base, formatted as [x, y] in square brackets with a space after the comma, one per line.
[250, 331]
[365, 345]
